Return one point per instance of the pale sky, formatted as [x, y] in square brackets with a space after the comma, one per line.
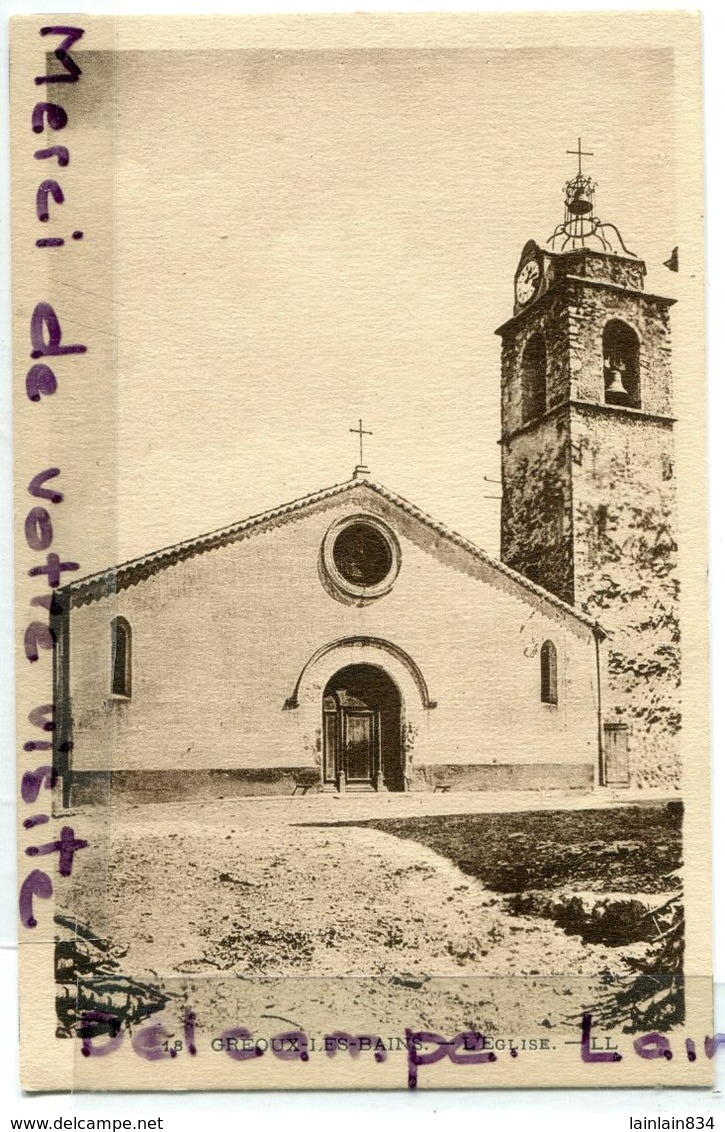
[305, 238]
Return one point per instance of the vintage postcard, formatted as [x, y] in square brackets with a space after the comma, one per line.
[362, 649]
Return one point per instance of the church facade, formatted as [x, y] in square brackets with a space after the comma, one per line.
[348, 642]
[345, 641]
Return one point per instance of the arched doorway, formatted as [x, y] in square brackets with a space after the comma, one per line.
[362, 730]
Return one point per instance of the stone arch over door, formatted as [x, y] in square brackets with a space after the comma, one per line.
[416, 704]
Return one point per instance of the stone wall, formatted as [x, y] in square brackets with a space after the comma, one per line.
[625, 577]
[602, 266]
[536, 504]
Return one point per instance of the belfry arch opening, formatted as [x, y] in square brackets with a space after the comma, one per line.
[533, 379]
[362, 731]
[620, 347]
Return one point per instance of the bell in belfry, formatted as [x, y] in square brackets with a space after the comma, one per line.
[615, 382]
[579, 202]
[615, 373]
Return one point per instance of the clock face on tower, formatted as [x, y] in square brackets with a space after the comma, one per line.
[527, 281]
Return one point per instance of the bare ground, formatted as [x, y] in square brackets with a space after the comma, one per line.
[255, 919]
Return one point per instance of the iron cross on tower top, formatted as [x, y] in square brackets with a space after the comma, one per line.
[361, 469]
[579, 152]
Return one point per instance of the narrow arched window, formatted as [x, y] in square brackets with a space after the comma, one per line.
[120, 657]
[533, 379]
[620, 348]
[549, 681]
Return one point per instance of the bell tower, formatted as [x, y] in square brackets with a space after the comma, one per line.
[587, 470]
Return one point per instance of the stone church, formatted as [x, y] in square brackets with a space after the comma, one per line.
[347, 641]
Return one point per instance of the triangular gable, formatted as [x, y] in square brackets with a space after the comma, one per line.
[95, 586]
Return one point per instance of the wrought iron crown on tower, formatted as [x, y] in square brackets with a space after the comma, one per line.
[581, 227]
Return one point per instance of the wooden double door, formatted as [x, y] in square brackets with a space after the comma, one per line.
[362, 731]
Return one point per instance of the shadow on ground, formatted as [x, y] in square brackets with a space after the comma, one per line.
[609, 876]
